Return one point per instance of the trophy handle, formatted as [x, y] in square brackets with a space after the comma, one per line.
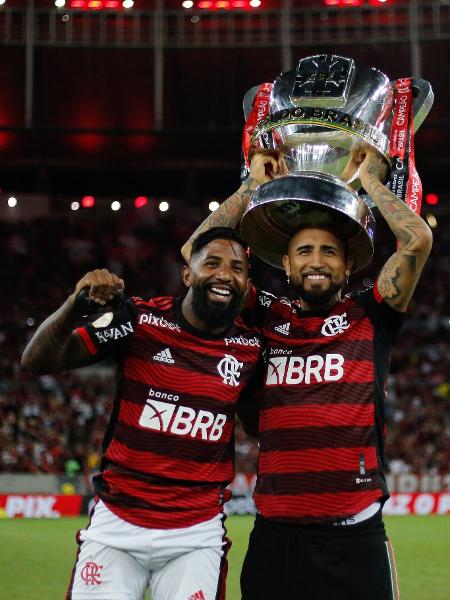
[423, 99]
[248, 100]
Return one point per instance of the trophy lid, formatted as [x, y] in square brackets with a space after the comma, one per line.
[278, 208]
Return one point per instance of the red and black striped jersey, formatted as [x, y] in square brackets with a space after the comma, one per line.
[322, 422]
[168, 450]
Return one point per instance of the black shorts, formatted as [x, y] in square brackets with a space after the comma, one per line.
[286, 561]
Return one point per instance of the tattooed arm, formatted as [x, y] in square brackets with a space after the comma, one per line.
[55, 346]
[400, 274]
[264, 167]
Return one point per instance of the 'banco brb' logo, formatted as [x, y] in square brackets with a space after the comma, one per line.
[182, 420]
[293, 370]
[228, 369]
[90, 573]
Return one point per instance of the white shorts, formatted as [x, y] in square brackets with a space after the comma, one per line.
[120, 561]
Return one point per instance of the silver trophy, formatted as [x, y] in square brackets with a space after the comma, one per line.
[319, 115]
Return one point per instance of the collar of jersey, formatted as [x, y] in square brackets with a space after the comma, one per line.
[312, 313]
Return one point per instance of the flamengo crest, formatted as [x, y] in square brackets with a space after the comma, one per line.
[335, 324]
[228, 369]
[91, 573]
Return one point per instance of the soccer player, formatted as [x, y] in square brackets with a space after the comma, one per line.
[319, 533]
[158, 521]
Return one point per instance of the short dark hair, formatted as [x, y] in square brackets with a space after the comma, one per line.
[216, 233]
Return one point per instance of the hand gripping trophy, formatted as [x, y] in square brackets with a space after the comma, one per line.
[318, 116]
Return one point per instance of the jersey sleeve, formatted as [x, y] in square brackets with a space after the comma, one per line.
[110, 333]
[385, 319]
[258, 307]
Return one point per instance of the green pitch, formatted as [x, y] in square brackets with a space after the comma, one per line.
[36, 556]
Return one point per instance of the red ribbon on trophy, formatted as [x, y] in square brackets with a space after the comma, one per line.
[405, 181]
[260, 109]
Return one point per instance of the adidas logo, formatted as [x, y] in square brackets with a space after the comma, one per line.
[284, 329]
[164, 356]
[197, 596]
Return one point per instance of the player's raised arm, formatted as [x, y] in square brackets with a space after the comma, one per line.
[55, 346]
[264, 167]
[400, 274]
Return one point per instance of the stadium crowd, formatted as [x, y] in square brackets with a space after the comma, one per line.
[55, 424]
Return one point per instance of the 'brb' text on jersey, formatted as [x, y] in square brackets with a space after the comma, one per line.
[322, 418]
[168, 451]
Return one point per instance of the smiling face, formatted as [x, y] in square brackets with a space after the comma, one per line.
[317, 266]
[218, 278]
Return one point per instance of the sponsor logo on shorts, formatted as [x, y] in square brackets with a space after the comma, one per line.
[197, 596]
[91, 572]
[335, 324]
[311, 369]
[182, 420]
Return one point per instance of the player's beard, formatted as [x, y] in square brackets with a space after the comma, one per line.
[214, 314]
[318, 298]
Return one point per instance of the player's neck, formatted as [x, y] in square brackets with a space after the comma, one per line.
[307, 306]
[190, 316]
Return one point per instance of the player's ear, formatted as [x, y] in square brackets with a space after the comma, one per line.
[287, 265]
[348, 267]
[248, 286]
[186, 275]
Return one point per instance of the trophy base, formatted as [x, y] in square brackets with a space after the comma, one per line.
[278, 208]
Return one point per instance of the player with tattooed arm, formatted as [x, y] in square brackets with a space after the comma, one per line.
[319, 532]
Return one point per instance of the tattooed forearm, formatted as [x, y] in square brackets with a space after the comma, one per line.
[410, 230]
[228, 214]
[401, 272]
[53, 347]
[398, 279]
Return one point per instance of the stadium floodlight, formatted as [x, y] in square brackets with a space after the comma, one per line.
[88, 201]
[213, 205]
[164, 206]
[75, 206]
[60, 3]
[187, 4]
[115, 205]
[432, 199]
[12, 201]
[128, 3]
[141, 201]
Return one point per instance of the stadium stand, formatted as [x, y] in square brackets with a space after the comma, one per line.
[55, 424]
